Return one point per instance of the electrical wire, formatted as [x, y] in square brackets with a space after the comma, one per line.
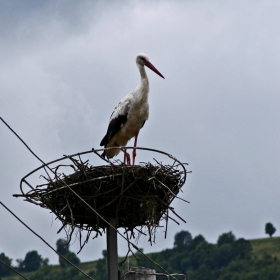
[44, 240]
[13, 270]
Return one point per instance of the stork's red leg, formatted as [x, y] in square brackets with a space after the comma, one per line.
[127, 157]
[126, 154]
[134, 150]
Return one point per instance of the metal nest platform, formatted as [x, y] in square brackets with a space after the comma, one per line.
[86, 198]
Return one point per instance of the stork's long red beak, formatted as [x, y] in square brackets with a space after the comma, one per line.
[152, 67]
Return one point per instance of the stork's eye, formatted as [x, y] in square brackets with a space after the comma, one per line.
[143, 58]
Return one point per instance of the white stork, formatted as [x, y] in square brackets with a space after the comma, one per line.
[130, 114]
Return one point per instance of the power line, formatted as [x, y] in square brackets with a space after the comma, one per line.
[44, 240]
[21, 140]
[13, 270]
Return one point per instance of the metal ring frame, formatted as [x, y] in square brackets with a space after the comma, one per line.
[46, 165]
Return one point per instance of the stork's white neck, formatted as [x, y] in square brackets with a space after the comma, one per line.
[142, 71]
[144, 79]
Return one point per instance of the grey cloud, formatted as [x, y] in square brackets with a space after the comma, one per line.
[65, 66]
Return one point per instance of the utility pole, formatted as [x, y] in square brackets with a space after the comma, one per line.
[112, 250]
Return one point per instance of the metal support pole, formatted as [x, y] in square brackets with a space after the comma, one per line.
[112, 250]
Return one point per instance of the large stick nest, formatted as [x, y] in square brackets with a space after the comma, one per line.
[136, 196]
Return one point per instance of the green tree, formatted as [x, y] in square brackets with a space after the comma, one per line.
[224, 255]
[104, 254]
[32, 261]
[196, 241]
[269, 229]
[242, 248]
[182, 239]
[70, 256]
[4, 271]
[71, 272]
[226, 238]
[202, 255]
[62, 247]
[101, 270]
[141, 260]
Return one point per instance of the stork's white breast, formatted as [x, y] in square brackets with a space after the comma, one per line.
[137, 115]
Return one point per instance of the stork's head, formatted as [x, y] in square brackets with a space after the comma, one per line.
[143, 60]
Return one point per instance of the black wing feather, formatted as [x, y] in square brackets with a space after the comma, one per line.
[114, 126]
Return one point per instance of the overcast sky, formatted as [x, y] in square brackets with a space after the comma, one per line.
[66, 64]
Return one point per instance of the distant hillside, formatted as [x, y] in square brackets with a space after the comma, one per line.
[260, 247]
[266, 245]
